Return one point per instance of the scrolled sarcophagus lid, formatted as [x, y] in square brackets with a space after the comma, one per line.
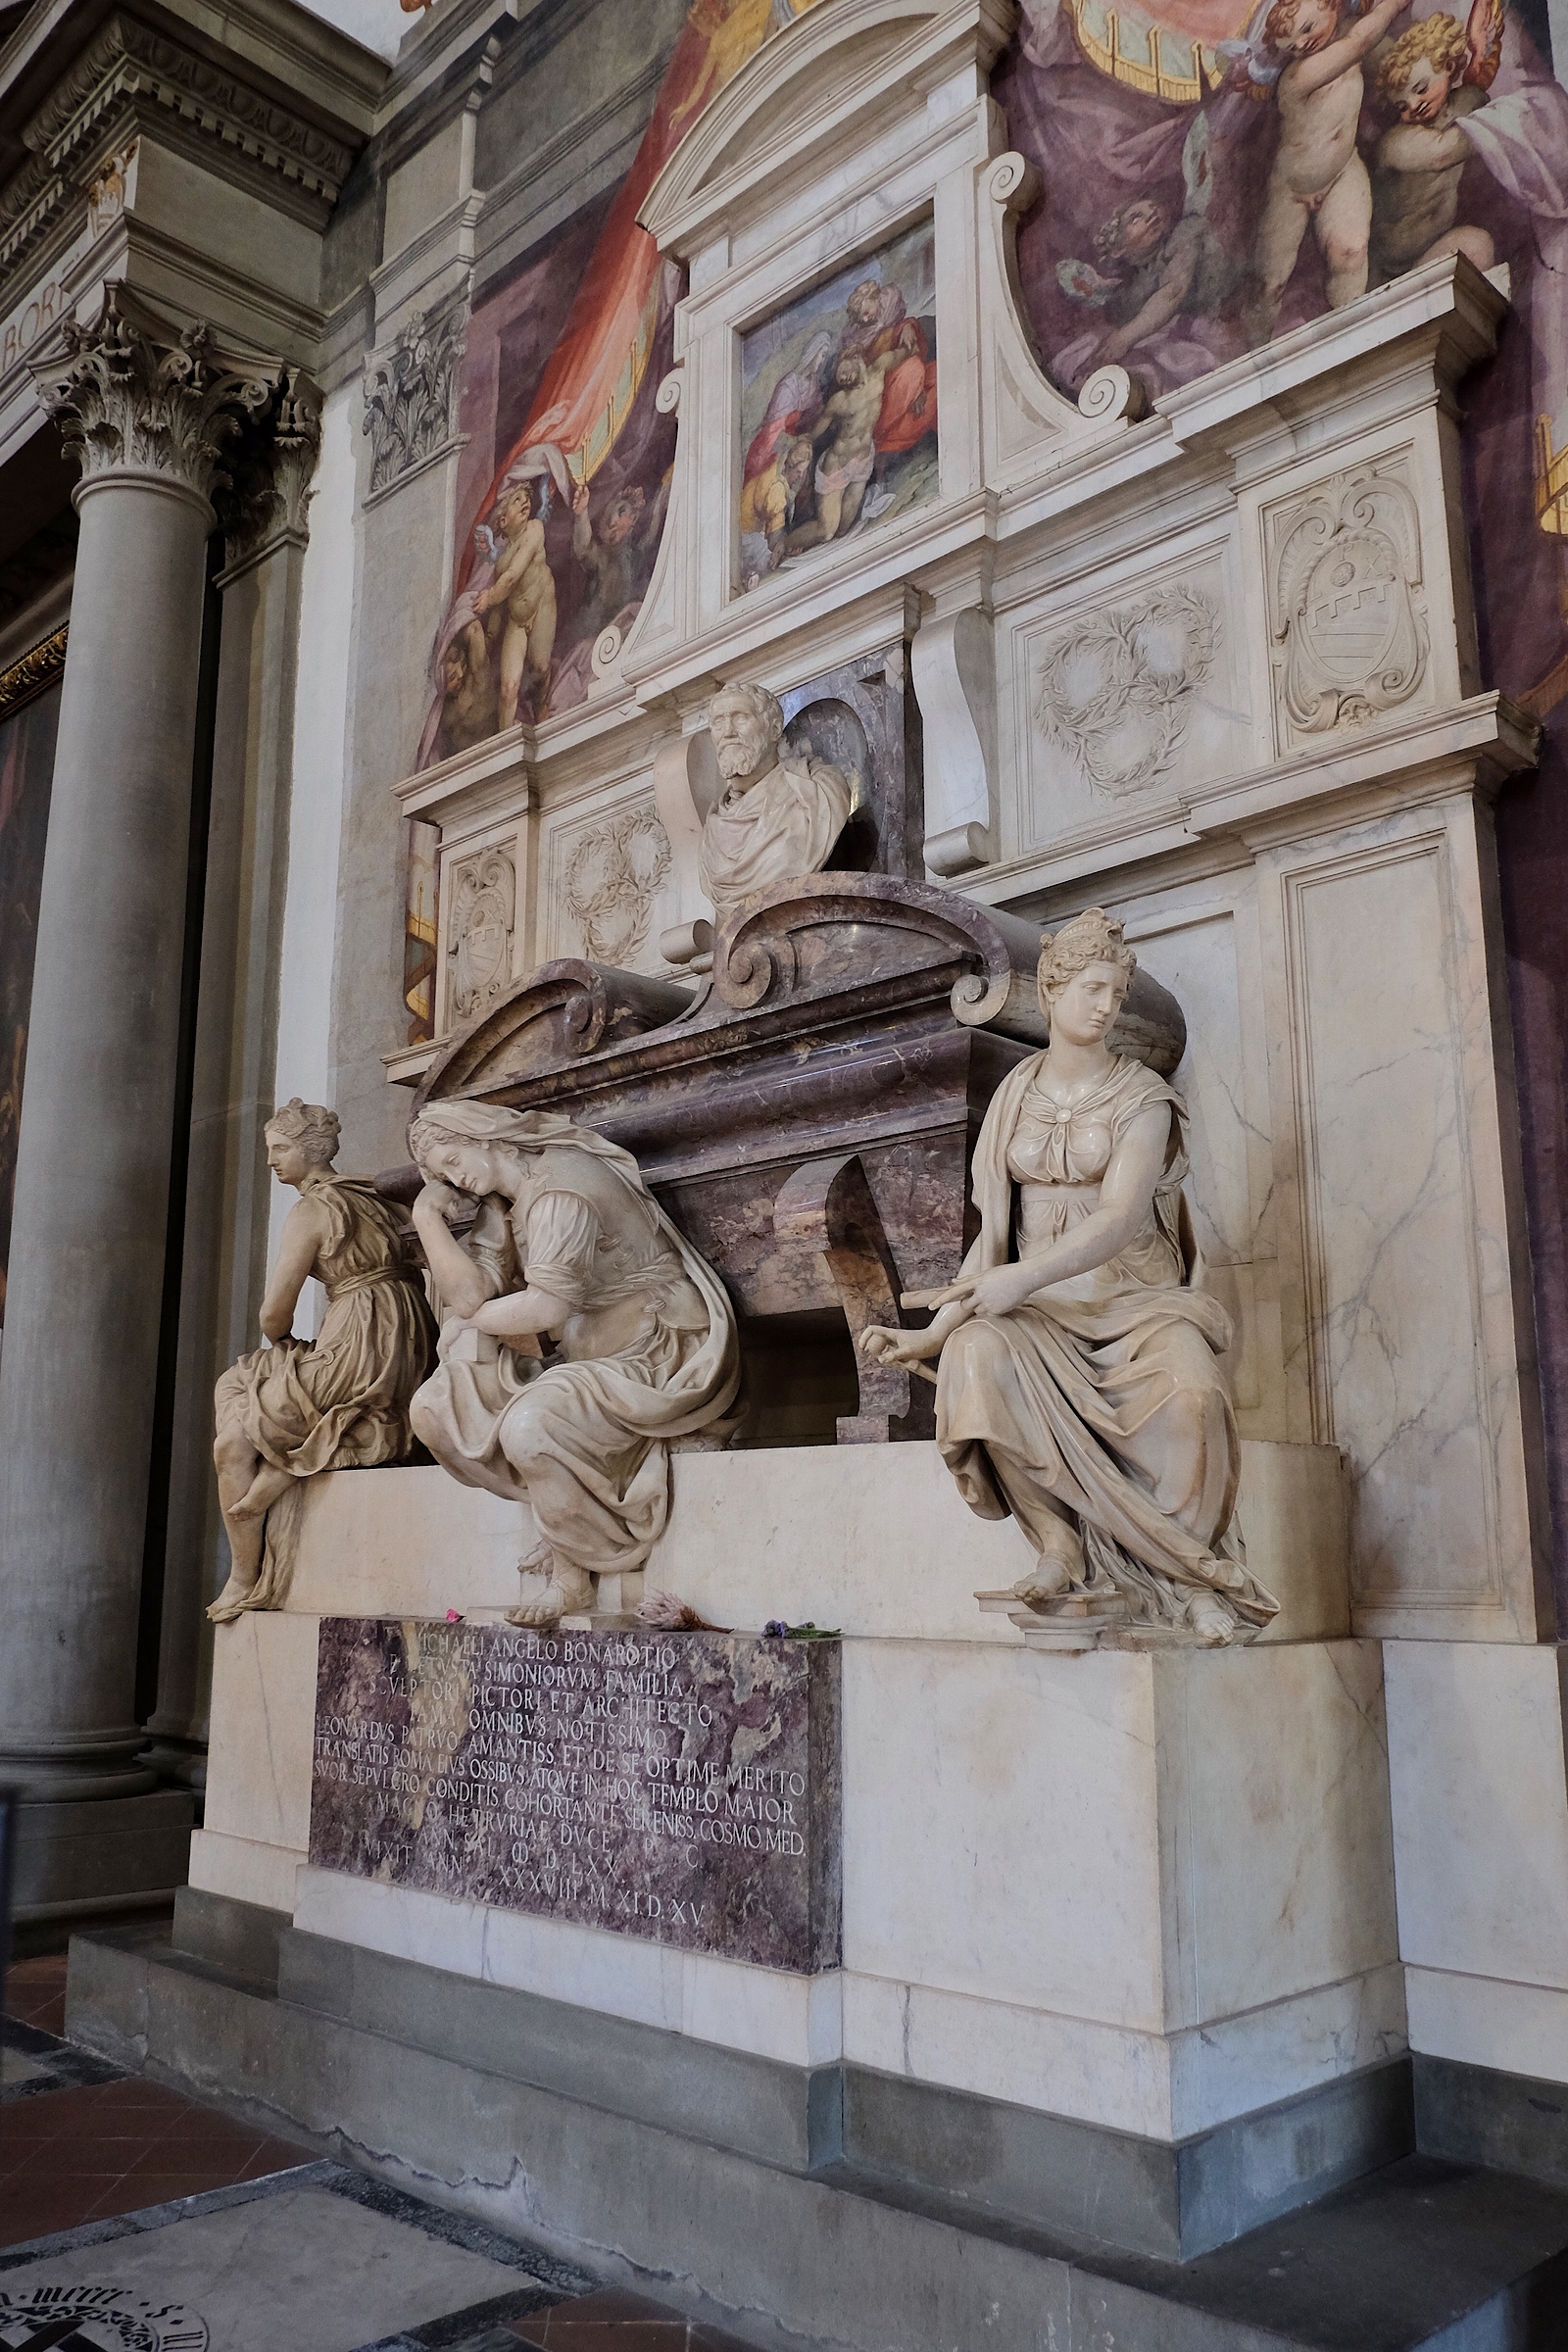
[825, 940]
[560, 1013]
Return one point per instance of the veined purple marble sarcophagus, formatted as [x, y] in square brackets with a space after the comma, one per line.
[805, 1113]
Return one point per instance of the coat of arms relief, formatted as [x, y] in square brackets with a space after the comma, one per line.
[1348, 619]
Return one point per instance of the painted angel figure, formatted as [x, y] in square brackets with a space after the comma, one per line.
[1436, 74]
[1152, 267]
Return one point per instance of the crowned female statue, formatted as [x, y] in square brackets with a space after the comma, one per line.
[1079, 1386]
[568, 1244]
[337, 1402]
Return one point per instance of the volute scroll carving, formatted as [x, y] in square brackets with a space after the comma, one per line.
[558, 1014]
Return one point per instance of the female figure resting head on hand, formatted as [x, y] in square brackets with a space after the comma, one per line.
[568, 1244]
[1078, 1386]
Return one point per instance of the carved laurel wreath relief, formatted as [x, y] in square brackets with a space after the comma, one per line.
[484, 896]
[611, 877]
[1348, 619]
[1114, 689]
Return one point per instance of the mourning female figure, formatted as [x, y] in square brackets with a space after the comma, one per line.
[1078, 1386]
[570, 1246]
[337, 1402]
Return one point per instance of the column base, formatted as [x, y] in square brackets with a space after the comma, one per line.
[102, 1852]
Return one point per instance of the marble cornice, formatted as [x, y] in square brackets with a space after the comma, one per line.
[130, 77]
[129, 55]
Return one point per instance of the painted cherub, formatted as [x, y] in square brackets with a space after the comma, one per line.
[1436, 71]
[1152, 266]
[467, 690]
[1318, 179]
[523, 590]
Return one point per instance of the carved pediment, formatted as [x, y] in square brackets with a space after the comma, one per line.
[835, 951]
[832, 65]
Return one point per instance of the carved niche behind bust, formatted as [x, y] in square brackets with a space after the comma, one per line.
[863, 719]
[1348, 613]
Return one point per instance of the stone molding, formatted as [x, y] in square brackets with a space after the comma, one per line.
[128, 69]
[35, 673]
[138, 395]
[411, 397]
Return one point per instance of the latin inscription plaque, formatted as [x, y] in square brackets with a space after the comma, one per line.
[678, 1787]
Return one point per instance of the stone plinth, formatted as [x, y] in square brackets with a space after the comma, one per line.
[682, 1788]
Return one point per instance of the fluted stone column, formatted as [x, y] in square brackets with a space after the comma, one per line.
[150, 410]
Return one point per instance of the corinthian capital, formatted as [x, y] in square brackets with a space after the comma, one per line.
[269, 469]
[137, 394]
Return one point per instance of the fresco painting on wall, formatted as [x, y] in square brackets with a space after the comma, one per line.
[27, 771]
[560, 536]
[1216, 175]
[561, 544]
[839, 408]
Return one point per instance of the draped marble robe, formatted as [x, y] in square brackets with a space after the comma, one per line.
[1101, 1397]
[785, 826]
[339, 1401]
[648, 1353]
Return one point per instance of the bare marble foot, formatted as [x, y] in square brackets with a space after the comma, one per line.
[1211, 1621]
[569, 1593]
[235, 1599]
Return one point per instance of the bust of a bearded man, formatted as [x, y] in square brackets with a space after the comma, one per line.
[776, 818]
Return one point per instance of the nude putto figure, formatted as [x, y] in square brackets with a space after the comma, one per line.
[776, 817]
[1319, 179]
[1078, 1386]
[569, 1245]
[337, 1402]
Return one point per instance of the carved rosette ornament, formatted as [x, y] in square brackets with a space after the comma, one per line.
[137, 395]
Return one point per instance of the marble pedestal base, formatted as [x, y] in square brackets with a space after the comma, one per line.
[1147, 1894]
[101, 1855]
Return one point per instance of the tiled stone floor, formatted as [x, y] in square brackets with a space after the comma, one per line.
[132, 2215]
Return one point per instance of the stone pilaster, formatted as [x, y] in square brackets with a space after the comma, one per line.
[150, 408]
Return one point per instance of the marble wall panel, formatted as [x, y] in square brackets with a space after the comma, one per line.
[1276, 1842]
[1116, 696]
[608, 885]
[1001, 1822]
[264, 1697]
[1480, 1808]
[1150, 1844]
[1381, 1023]
[1205, 953]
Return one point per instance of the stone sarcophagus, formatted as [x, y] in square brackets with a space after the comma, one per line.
[805, 1112]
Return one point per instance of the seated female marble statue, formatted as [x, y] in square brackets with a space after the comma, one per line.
[339, 1403]
[568, 1244]
[1078, 1386]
